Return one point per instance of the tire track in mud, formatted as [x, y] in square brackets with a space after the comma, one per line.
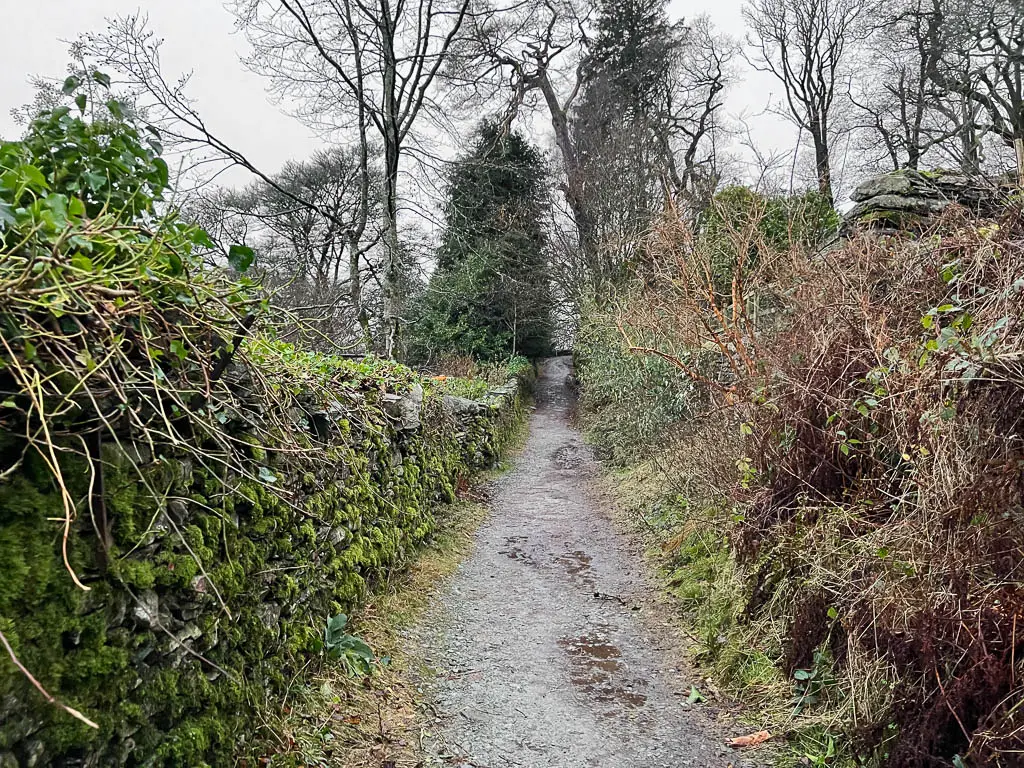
[541, 653]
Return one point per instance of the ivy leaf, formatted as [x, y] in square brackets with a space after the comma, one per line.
[95, 180]
[174, 262]
[24, 175]
[70, 84]
[101, 78]
[34, 176]
[81, 100]
[200, 237]
[163, 174]
[82, 262]
[7, 217]
[116, 108]
[267, 476]
[240, 257]
[179, 349]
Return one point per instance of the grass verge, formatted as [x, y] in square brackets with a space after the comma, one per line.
[697, 576]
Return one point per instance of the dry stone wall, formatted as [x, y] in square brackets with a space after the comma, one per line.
[217, 589]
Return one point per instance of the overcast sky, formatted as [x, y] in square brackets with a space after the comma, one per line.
[200, 37]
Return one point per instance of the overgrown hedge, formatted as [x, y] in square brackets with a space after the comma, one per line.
[841, 508]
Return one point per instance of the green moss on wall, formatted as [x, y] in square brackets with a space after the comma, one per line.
[214, 596]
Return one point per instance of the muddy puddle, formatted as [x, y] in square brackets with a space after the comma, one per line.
[514, 550]
[577, 565]
[597, 670]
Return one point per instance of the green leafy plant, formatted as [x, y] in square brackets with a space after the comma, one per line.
[352, 652]
[811, 685]
[826, 756]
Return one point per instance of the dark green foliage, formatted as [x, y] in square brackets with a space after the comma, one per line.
[490, 295]
[631, 400]
[108, 165]
[627, 66]
[804, 219]
[620, 132]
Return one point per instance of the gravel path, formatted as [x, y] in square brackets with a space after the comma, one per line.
[543, 651]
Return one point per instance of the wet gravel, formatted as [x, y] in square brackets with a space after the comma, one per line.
[542, 645]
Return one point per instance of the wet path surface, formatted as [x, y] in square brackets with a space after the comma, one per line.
[541, 652]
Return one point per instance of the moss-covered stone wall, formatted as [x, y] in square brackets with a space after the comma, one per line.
[216, 590]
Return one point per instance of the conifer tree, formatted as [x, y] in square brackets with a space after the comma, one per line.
[490, 295]
[619, 122]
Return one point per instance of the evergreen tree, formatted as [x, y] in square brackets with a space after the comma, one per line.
[490, 295]
[628, 65]
[619, 123]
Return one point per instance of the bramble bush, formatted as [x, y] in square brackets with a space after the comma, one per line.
[842, 510]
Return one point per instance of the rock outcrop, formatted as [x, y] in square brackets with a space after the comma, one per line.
[900, 198]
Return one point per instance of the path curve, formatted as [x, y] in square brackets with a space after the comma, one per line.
[541, 654]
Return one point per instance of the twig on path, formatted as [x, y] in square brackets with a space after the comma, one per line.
[606, 596]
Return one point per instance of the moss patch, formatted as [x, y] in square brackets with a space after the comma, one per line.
[214, 596]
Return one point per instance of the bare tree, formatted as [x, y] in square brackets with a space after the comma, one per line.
[316, 262]
[132, 51]
[700, 74]
[905, 115]
[371, 63]
[994, 77]
[633, 120]
[535, 50]
[803, 43]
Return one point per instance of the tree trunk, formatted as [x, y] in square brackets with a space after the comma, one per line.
[573, 189]
[392, 265]
[392, 149]
[1018, 147]
[355, 292]
[822, 163]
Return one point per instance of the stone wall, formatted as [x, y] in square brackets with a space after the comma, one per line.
[217, 588]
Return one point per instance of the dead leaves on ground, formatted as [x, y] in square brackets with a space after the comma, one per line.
[750, 740]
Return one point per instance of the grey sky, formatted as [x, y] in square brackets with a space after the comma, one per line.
[200, 36]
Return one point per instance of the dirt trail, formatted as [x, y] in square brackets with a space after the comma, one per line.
[542, 654]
